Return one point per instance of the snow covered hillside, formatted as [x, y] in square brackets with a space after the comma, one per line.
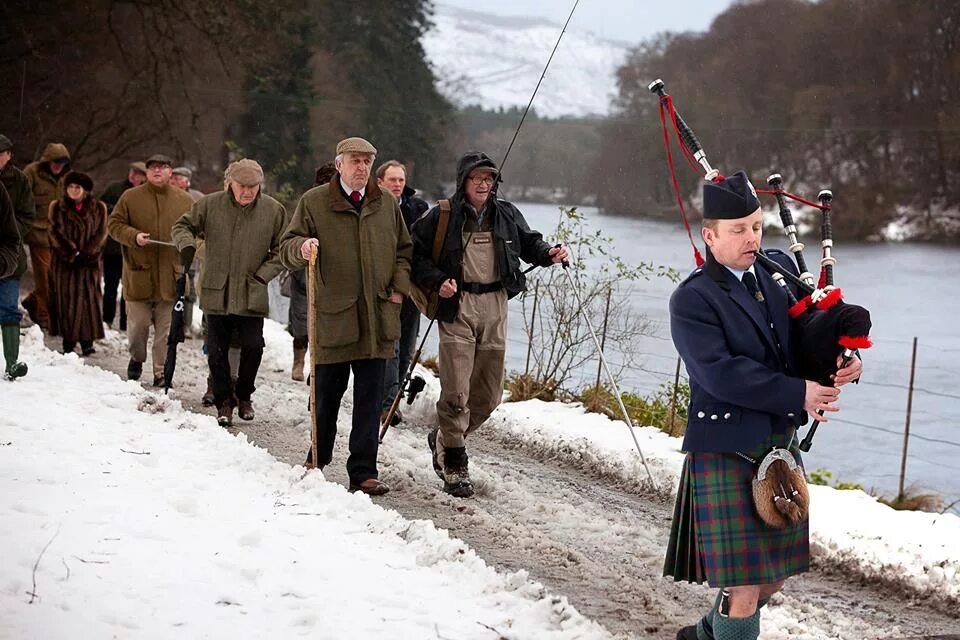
[496, 61]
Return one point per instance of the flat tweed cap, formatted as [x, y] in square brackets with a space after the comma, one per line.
[355, 145]
[246, 172]
[182, 171]
[159, 158]
[139, 166]
[730, 199]
[5, 143]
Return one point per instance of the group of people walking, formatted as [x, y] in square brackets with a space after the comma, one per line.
[373, 243]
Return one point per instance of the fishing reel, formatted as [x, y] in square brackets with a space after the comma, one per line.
[417, 384]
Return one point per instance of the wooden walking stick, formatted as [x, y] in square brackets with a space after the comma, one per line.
[312, 345]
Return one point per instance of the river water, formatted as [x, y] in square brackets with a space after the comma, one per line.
[905, 287]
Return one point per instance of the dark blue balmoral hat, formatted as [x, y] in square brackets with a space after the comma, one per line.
[731, 198]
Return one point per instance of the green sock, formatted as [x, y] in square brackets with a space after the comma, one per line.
[705, 626]
[727, 628]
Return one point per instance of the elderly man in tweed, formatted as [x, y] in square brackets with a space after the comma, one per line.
[363, 257]
[729, 323]
[241, 227]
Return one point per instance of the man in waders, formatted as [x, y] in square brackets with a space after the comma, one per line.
[477, 271]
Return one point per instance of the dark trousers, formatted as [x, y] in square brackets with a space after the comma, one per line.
[330, 383]
[219, 330]
[397, 365]
[112, 273]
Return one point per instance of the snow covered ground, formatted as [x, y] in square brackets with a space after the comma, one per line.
[123, 515]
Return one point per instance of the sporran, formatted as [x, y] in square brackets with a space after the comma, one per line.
[780, 493]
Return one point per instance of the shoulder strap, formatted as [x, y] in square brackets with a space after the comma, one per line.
[442, 225]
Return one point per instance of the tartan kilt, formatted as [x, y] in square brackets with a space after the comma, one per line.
[717, 536]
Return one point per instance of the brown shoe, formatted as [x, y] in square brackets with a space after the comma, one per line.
[371, 487]
[296, 372]
[225, 414]
[245, 409]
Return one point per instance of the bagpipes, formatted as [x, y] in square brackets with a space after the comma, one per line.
[825, 329]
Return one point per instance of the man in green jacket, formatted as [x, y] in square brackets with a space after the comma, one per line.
[363, 272]
[141, 222]
[22, 207]
[241, 228]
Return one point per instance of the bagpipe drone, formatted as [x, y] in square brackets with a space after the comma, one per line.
[825, 328]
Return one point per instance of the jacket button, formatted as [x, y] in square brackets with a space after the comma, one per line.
[726, 416]
[701, 414]
[714, 416]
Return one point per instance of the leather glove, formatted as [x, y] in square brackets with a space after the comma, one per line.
[186, 256]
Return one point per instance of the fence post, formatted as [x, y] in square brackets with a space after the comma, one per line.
[673, 398]
[603, 339]
[906, 429]
[533, 319]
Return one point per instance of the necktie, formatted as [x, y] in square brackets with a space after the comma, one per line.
[356, 197]
[750, 282]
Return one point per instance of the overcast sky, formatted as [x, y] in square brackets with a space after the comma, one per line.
[627, 20]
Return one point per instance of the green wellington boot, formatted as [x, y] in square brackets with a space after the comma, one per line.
[11, 351]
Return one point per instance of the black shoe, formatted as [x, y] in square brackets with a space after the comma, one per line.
[456, 476]
[432, 442]
[158, 381]
[688, 633]
[208, 399]
[69, 347]
[245, 410]
[87, 350]
[134, 369]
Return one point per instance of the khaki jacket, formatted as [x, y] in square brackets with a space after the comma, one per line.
[150, 272]
[241, 251]
[363, 258]
[46, 188]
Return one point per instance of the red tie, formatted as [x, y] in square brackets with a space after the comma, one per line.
[356, 197]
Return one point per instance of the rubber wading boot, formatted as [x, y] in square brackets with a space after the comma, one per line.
[11, 351]
[456, 476]
[432, 442]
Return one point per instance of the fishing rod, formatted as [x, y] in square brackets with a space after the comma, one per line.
[491, 201]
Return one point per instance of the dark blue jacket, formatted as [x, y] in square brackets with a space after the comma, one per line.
[741, 386]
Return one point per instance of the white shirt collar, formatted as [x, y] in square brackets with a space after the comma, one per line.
[738, 273]
[347, 190]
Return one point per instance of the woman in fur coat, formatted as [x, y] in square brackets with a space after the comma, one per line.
[78, 230]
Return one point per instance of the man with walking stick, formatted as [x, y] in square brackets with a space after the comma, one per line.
[477, 271]
[362, 250]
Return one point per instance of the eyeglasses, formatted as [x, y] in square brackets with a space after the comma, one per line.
[486, 179]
